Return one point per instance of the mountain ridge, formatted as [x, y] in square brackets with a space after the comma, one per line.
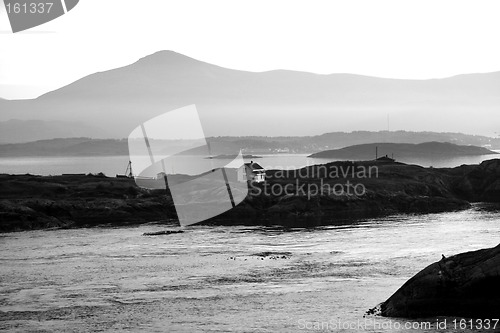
[18, 131]
[84, 146]
[275, 103]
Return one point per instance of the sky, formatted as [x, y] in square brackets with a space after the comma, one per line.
[394, 39]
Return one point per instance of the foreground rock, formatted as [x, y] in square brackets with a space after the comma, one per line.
[464, 285]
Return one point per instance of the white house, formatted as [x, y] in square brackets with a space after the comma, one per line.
[251, 172]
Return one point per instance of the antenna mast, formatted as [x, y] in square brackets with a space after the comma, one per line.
[128, 171]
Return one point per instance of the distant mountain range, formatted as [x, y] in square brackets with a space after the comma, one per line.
[317, 143]
[321, 144]
[66, 147]
[273, 103]
[15, 131]
[403, 150]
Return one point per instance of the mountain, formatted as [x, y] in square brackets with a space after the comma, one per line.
[15, 131]
[280, 102]
[67, 147]
[403, 151]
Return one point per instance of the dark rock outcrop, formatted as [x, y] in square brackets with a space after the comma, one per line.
[316, 195]
[464, 285]
[481, 183]
[163, 232]
[30, 202]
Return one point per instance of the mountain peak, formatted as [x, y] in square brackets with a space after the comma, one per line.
[167, 57]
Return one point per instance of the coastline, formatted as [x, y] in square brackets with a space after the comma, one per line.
[29, 202]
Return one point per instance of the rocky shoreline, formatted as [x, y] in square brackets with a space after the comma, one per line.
[30, 202]
[464, 285]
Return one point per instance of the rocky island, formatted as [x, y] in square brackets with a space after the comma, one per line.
[404, 150]
[36, 202]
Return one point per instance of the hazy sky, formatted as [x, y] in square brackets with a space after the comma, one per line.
[398, 39]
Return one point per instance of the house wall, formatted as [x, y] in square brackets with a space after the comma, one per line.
[245, 174]
[242, 177]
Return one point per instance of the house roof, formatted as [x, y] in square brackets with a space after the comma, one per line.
[254, 165]
[386, 159]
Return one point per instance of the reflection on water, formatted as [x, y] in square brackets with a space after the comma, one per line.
[224, 279]
[112, 165]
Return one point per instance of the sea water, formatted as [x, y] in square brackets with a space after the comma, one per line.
[228, 279]
[112, 165]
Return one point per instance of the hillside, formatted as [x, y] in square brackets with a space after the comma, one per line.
[273, 103]
[269, 145]
[66, 147]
